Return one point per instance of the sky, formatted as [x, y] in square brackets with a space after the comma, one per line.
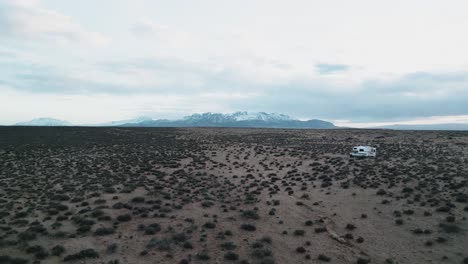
[356, 63]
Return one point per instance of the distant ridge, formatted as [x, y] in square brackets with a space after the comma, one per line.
[237, 119]
[455, 127]
[44, 121]
[128, 121]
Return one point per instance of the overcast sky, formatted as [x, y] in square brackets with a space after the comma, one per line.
[361, 62]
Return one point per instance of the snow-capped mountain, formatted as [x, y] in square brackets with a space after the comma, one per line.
[237, 116]
[240, 116]
[237, 119]
[208, 117]
[45, 121]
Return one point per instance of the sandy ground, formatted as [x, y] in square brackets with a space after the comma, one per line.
[213, 195]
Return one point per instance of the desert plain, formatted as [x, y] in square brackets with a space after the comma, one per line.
[225, 195]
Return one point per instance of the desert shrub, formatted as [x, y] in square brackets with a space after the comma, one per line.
[209, 225]
[124, 218]
[60, 197]
[43, 254]
[450, 218]
[426, 213]
[408, 212]
[179, 237]
[350, 227]
[77, 199]
[97, 213]
[21, 214]
[152, 229]
[104, 231]
[62, 218]
[407, 190]
[38, 251]
[104, 218]
[231, 256]
[261, 253]
[109, 190]
[163, 244]
[300, 250]
[85, 253]
[18, 261]
[57, 250]
[323, 257]
[83, 229]
[443, 209]
[449, 228]
[60, 207]
[266, 239]
[59, 234]
[248, 227]
[19, 222]
[250, 214]
[27, 236]
[203, 255]
[381, 192]
[228, 246]
[320, 230]
[83, 221]
[118, 205]
[187, 245]
[37, 229]
[299, 232]
[138, 199]
[362, 261]
[207, 204]
[257, 244]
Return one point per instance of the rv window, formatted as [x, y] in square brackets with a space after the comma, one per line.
[361, 149]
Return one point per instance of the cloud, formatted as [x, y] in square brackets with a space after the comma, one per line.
[431, 120]
[24, 19]
[444, 94]
[325, 68]
[147, 27]
[418, 94]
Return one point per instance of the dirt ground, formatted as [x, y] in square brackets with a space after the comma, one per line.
[219, 195]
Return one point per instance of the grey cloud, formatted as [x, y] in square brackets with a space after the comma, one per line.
[373, 101]
[413, 95]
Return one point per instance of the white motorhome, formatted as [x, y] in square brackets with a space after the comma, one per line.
[363, 151]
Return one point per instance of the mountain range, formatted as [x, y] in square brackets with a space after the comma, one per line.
[44, 121]
[237, 119]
